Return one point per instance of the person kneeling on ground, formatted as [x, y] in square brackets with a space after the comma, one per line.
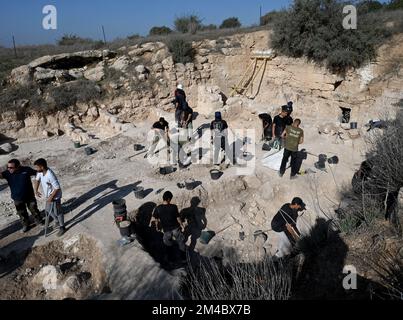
[267, 126]
[51, 191]
[285, 223]
[19, 180]
[167, 216]
[294, 136]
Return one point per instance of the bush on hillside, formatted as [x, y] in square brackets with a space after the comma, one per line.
[369, 6]
[157, 31]
[270, 17]
[229, 23]
[314, 29]
[395, 5]
[182, 51]
[72, 40]
[208, 27]
[188, 24]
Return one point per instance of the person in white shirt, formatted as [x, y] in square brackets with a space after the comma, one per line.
[52, 192]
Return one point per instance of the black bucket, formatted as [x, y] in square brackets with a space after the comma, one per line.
[138, 147]
[266, 147]
[322, 158]
[89, 151]
[353, 125]
[139, 192]
[320, 165]
[190, 184]
[215, 174]
[125, 228]
[167, 170]
[333, 160]
[119, 207]
[206, 236]
[77, 144]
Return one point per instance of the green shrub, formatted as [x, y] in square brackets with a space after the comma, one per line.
[72, 39]
[395, 5]
[134, 36]
[369, 6]
[182, 51]
[10, 95]
[230, 23]
[313, 28]
[156, 31]
[188, 24]
[70, 93]
[270, 17]
[208, 27]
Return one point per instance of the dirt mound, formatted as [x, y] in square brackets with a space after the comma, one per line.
[68, 269]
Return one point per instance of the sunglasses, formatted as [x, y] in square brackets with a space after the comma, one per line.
[11, 168]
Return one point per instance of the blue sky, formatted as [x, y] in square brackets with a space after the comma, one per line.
[23, 18]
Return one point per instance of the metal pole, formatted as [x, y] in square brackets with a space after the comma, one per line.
[15, 49]
[103, 31]
[260, 16]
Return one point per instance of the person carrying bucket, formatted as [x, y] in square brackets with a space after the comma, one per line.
[52, 193]
[285, 224]
[167, 216]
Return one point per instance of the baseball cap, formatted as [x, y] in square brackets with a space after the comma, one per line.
[299, 202]
[180, 86]
[218, 115]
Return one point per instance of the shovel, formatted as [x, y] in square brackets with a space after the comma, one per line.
[206, 236]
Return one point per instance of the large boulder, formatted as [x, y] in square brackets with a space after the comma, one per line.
[6, 148]
[22, 75]
[121, 63]
[209, 100]
[95, 74]
[47, 277]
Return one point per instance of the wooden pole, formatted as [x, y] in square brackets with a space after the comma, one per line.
[15, 49]
[103, 31]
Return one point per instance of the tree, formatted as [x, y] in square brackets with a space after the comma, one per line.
[188, 24]
[369, 6]
[395, 5]
[156, 31]
[270, 17]
[182, 51]
[314, 29]
[232, 22]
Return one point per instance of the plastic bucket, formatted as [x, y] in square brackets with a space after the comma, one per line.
[266, 147]
[77, 144]
[206, 236]
[333, 160]
[320, 165]
[89, 151]
[190, 184]
[167, 170]
[215, 174]
[119, 207]
[137, 147]
[322, 158]
[139, 192]
[353, 125]
[125, 228]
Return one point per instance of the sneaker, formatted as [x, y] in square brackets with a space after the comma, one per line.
[25, 229]
[293, 177]
[61, 231]
[280, 174]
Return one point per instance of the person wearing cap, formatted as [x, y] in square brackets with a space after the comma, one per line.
[294, 136]
[180, 103]
[285, 223]
[290, 108]
[219, 136]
